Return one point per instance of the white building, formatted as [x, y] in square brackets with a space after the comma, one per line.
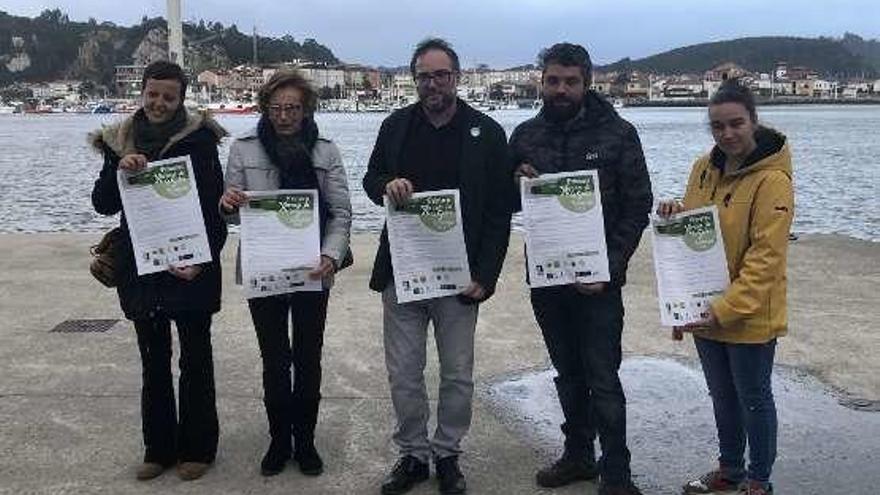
[67, 90]
[322, 77]
[824, 89]
[403, 89]
[684, 87]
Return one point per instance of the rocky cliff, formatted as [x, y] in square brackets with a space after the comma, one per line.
[51, 46]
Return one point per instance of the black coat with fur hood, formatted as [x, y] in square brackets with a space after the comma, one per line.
[144, 296]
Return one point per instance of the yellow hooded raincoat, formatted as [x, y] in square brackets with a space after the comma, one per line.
[756, 207]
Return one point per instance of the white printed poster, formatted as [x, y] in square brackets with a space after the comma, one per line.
[564, 229]
[280, 242]
[689, 263]
[428, 253]
[161, 204]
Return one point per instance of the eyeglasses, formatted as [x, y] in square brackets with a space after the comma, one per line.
[440, 77]
[280, 109]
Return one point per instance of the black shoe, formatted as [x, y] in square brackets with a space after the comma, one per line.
[451, 480]
[406, 473]
[566, 470]
[309, 461]
[274, 461]
[628, 488]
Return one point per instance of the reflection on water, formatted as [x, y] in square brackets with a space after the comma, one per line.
[48, 168]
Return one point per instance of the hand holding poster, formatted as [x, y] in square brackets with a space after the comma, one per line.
[428, 253]
[161, 204]
[690, 264]
[280, 242]
[565, 229]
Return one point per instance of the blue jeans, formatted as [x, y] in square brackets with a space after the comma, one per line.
[738, 377]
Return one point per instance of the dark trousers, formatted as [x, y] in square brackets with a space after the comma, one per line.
[738, 377]
[582, 334]
[291, 412]
[191, 435]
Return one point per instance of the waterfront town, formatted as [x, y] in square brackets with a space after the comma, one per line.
[357, 88]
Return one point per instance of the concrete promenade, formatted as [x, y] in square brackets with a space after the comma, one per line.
[69, 402]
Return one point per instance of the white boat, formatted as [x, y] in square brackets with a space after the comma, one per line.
[617, 103]
[6, 109]
[484, 106]
[233, 107]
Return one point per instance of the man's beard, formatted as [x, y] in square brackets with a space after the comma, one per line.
[560, 113]
[437, 105]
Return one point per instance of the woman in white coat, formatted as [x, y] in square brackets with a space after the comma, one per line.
[284, 151]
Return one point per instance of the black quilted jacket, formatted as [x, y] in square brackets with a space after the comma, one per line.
[597, 138]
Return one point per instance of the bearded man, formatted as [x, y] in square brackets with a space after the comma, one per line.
[582, 324]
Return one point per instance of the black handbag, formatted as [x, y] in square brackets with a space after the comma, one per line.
[103, 265]
[347, 260]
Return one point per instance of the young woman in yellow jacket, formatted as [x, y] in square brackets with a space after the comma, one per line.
[748, 176]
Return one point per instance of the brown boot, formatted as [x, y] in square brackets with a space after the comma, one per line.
[149, 470]
[188, 471]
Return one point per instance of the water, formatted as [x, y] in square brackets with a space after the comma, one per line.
[671, 430]
[48, 168]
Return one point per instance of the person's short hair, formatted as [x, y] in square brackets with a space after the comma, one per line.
[567, 55]
[429, 44]
[164, 70]
[288, 78]
[731, 91]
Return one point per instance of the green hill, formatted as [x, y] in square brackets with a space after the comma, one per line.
[850, 56]
[51, 46]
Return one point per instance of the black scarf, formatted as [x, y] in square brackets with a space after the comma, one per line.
[150, 138]
[292, 155]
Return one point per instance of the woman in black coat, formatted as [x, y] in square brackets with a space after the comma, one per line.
[162, 128]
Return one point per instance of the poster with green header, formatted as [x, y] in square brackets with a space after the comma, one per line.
[164, 215]
[689, 264]
[426, 238]
[280, 242]
[564, 229]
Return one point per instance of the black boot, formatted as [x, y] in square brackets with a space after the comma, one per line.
[406, 473]
[451, 479]
[566, 470]
[281, 445]
[310, 462]
[275, 459]
[626, 488]
[305, 419]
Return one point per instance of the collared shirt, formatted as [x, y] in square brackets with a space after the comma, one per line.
[430, 155]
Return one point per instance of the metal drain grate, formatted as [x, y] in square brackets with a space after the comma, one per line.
[84, 326]
[862, 404]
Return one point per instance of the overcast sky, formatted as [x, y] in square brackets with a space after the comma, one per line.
[500, 33]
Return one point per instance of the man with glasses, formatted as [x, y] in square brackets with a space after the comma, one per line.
[439, 142]
[582, 323]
